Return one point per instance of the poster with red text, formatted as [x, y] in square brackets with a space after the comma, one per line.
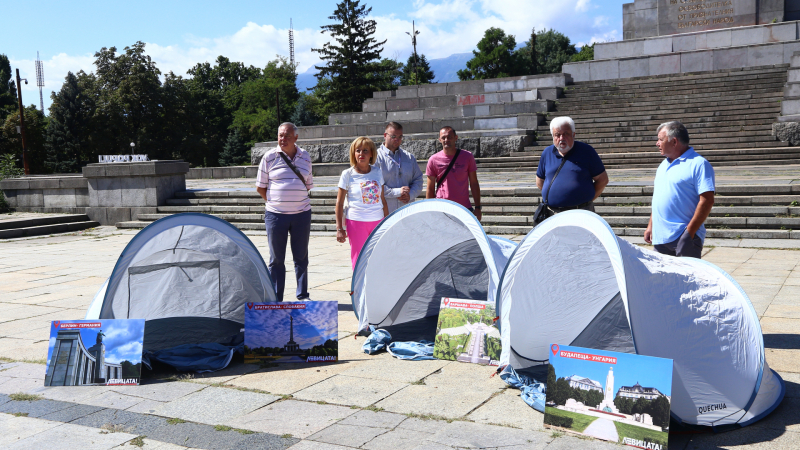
[618, 397]
[291, 332]
[466, 332]
[104, 352]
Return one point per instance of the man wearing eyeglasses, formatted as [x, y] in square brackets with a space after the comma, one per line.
[401, 173]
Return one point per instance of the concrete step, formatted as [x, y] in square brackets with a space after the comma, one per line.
[41, 230]
[687, 80]
[40, 221]
[732, 88]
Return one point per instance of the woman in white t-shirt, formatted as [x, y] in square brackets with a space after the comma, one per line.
[362, 185]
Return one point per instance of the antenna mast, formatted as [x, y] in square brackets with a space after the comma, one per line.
[291, 44]
[40, 80]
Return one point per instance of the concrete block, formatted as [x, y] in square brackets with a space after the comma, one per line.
[496, 110]
[15, 183]
[432, 90]
[747, 36]
[730, 58]
[606, 50]
[444, 113]
[530, 121]
[82, 197]
[30, 198]
[634, 67]
[579, 71]
[374, 105]
[370, 129]
[458, 124]
[646, 22]
[116, 215]
[119, 170]
[645, 4]
[492, 124]
[789, 48]
[383, 94]
[524, 96]
[791, 90]
[418, 127]
[77, 182]
[465, 87]
[97, 214]
[43, 183]
[406, 92]
[604, 70]
[207, 172]
[94, 170]
[700, 41]
[438, 102]
[780, 32]
[11, 197]
[657, 46]
[505, 85]
[252, 171]
[627, 49]
[229, 172]
[684, 43]
[401, 104]
[763, 55]
[527, 107]
[59, 198]
[716, 39]
[662, 65]
[789, 107]
[793, 75]
[697, 61]
[313, 132]
[133, 191]
[143, 210]
[546, 81]
[480, 110]
[104, 192]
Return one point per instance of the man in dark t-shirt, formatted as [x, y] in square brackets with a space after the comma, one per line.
[582, 177]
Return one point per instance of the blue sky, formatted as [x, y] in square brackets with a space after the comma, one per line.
[180, 34]
[123, 338]
[312, 326]
[630, 369]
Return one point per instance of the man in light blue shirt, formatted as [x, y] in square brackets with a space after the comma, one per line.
[682, 196]
[401, 173]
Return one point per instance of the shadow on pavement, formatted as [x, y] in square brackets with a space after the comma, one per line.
[782, 341]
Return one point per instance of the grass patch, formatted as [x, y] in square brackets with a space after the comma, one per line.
[639, 433]
[429, 417]
[579, 421]
[222, 428]
[175, 421]
[322, 402]
[3, 359]
[374, 408]
[138, 441]
[241, 431]
[112, 428]
[287, 436]
[286, 396]
[420, 382]
[556, 434]
[20, 414]
[21, 397]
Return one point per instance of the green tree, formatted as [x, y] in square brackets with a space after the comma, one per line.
[235, 151]
[552, 50]
[8, 169]
[495, 58]
[586, 54]
[8, 94]
[35, 138]
[306, 111]
[350, 57]
[409, 76]
[563, 391]
[70, 127]
[386, 75]
[659, 411]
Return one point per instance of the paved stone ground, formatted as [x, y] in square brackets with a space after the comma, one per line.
[370, 402]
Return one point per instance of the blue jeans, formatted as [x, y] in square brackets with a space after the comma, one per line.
[279, 226]
[685, 246]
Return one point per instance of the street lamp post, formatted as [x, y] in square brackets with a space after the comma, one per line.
[132, 146]
[22, 124]
[413, 34]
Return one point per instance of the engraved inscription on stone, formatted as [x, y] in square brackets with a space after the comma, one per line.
[686, 16]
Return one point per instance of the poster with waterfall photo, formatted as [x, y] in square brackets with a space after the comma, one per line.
[618, 397]
[466, 332]
[291, 332]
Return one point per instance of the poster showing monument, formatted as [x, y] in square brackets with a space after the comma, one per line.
[466, 332]
[95, 352]
[291, 332]
[618, 397]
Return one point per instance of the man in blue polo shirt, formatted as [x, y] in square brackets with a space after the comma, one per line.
[682, 196]
[581, 179]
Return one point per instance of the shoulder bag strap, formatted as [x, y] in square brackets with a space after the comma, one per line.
[294, 168]
[549, 188]
[440, 181]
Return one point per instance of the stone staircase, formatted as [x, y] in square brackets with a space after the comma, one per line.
[763, 212]
[47, 224]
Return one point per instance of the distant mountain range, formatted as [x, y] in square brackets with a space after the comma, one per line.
[445, 70]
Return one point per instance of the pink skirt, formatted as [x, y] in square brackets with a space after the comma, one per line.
[357, 234]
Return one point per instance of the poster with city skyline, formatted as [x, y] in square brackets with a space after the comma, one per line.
[291, 332]
[95, 352]
[466, 332]
[618, 397]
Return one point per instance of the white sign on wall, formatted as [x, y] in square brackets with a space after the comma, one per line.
[122, 158]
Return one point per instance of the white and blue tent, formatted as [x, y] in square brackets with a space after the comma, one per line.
[418, 254]
[572, 281]
[189, 276]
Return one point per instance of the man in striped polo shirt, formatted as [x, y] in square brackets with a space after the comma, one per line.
[283, 181]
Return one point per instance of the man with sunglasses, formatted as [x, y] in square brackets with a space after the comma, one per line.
[401, 173]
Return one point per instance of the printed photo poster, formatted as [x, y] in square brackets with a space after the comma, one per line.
[618, 397]
[95, 352]
[466, 332]
[291, 332]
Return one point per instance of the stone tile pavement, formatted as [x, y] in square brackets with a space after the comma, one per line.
[369, 402]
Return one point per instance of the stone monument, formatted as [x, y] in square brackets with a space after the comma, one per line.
[292, 347]
[607, 404]
[647, 18]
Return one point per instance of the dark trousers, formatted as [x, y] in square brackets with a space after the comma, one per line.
[279, 226]
[685, 245]
[588, 206]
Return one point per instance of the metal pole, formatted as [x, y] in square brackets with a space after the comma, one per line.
[278, 103]
[22, 126]
[414, 42]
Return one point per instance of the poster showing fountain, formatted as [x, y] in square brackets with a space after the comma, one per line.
[618, 397]
[291, 332]
[466, 332]
[95, 352]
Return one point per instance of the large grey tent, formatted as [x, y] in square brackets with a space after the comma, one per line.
[189, 276]
[418, 254]
[572, 281]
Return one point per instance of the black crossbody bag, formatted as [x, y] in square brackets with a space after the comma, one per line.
[294, 168]
[440, 181]
[543, 211]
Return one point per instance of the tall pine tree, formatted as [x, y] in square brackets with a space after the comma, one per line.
[350, 58]
[495, 58]
[235, 151]
[69, 128]
[422, 75]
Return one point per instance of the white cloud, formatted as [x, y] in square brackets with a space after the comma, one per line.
[582, 5]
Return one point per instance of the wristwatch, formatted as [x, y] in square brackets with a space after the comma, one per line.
[478, 207]
[340, 229]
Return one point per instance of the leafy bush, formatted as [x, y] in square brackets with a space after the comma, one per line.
[558, 421]
[8, 169]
